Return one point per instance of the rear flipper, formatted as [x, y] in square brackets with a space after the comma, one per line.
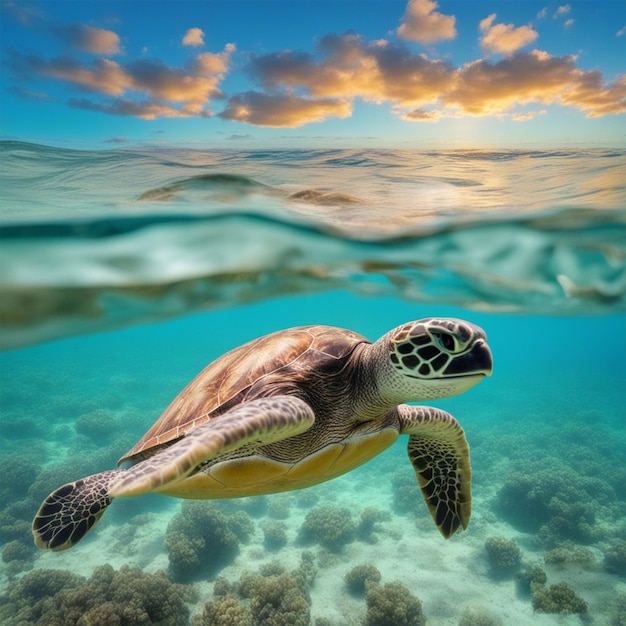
[71, 511]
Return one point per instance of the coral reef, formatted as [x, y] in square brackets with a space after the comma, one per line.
[275, 535]
[405, 492]
[18, 557]
[278, 507]
[360, 576]
[532, 575]
[330, 526]
[368, 525]
[99, 425]
[503, 555]
[225, 611]
[615, 556]
[392, 603]
[618, 611]
[556, 502]
[569, 554]
[201, 539]
[126, 597]
[479, 616]
[559, 598]
[279, 599]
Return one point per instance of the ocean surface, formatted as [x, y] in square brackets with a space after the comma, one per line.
[124, 272]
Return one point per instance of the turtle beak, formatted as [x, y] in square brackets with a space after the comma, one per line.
[478, 360]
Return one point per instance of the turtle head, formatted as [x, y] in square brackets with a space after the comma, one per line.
[433, 358]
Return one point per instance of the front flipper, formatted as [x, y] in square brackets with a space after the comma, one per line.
[439, 453]
[71, 511]
[260, 421]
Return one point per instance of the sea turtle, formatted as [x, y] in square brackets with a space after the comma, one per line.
[293, 409]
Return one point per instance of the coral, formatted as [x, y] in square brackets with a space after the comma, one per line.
[615, 557]
[368, 526]
[555, 501]
[479, 616]
[226, 611]
[13, 521]
[279, 599]
[529, 577]
[559, 598]
[360, 576]
[503, 555]
[330, 526]
[307, 498]
[392, 603]
[18, 556]
[569, 554]
[275, 535]
[18, 474]
[278, 507]
[221, 587]
[126, 597]
[618, 611]
[406, 498]
[201, 539]
[99, 425]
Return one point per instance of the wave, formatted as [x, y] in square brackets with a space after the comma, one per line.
[66, 278]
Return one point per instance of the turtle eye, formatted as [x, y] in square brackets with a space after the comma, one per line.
[445, 341]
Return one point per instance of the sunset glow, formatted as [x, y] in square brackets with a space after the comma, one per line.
[392, 74]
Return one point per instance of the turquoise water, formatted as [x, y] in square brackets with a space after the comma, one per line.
[115, 299]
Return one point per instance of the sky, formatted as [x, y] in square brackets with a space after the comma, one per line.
[247, 74]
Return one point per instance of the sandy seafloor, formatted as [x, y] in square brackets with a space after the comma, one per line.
[556, 398]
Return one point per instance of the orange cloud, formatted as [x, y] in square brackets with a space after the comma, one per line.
[419, 115]
[103, 76]
[283, 110]
[377, 71]
[193, 37]
[381, 72]
[486, 88]
[191, 89]
[422, 23]
[504, 38]
[89, 39]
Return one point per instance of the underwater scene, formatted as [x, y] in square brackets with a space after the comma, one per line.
[124, 272]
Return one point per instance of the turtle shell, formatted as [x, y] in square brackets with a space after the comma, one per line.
[273, 364]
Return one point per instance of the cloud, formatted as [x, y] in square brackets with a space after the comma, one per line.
[103, 76]
[421, 89]
[25, 15]
[190, 89]
[525, 117]
[543, 13]
[420, 115]
[486, 88]
[621, 32]
[88, 38]
[129, 108]
[568, 22]
[504, 38]
[28, 94]
[282, 110]
[351, 67]
[194, 37]
[564, 9]
[118, 139]
[422, 23]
